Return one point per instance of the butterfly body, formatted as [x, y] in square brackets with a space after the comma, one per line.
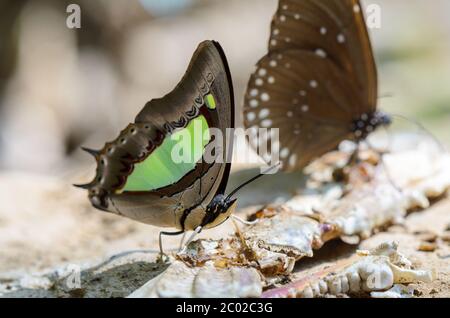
[138, 174]
[367, 123]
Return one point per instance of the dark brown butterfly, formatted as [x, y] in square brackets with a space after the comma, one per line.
[318, 82]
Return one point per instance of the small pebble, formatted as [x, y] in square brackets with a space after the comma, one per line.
[427, 247]
[397, 229]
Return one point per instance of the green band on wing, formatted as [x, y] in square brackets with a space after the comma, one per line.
[210, 101]
[173, 159]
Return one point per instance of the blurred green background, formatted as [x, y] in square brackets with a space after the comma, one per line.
[61, 88]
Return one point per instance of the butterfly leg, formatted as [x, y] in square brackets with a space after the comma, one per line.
[340, 173]
[182, 241]
[162, 257]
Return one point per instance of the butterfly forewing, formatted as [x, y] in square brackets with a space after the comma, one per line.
[318, 76]
[332, 28]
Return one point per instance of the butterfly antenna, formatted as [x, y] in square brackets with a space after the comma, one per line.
[241, 220]
[422, 128]
[251, 180]
[383, 163]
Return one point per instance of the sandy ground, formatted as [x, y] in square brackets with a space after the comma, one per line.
[46, 224]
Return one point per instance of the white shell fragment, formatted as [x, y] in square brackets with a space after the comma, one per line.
[181, 281]
[398, 291]
[421, 175]
[292, 235]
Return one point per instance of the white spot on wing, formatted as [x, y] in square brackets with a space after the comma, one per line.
[254, 103]
[323, 30]
[259, 82]
[271, 80]
[282, 18]
[273, 63]
[262, 72]
[313, 84]
[254, 92]
[305, 108]
[265, 97]
[251, 116]
[340, 38]
[321, 53]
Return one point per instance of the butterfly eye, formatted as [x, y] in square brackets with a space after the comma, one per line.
[321, 53]
[265, 97]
